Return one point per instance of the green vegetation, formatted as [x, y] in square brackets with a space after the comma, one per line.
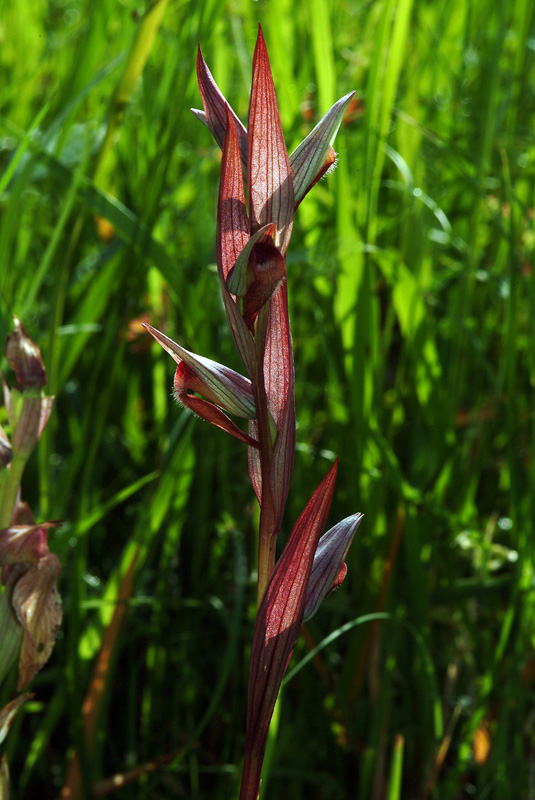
[412, 294]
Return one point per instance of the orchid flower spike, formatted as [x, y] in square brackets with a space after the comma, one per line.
[253, 232]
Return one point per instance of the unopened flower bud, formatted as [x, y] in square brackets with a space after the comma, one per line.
[24, 358]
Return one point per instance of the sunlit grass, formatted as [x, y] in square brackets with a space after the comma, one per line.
[412, 299]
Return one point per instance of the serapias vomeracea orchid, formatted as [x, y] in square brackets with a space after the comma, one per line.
[252, 238]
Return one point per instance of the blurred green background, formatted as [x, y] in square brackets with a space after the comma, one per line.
[412, 297]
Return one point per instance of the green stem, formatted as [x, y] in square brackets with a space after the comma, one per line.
[9, 489]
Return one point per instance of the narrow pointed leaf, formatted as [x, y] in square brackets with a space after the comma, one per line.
[278, 357]
[233, 232]
[308, 158]
[277, 627]
[218, 383]
[329, 562]
[232, 238]
[270, 186]
[271, 200]
[283, 457]
[215, 109]
[279, 381]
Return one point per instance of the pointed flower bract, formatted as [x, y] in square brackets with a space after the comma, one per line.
[329, 562]
[309, 157]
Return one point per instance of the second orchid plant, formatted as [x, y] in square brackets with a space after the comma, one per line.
[253, 233]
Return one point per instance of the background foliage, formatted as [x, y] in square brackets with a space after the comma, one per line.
[412, 302]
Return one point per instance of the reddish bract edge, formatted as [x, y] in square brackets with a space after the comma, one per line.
[232, 236]
[270, 188]
[271, 199]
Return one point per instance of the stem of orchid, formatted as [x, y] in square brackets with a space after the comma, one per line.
[12, 477]
[262, 412]
[250, 779]
[266, 553]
